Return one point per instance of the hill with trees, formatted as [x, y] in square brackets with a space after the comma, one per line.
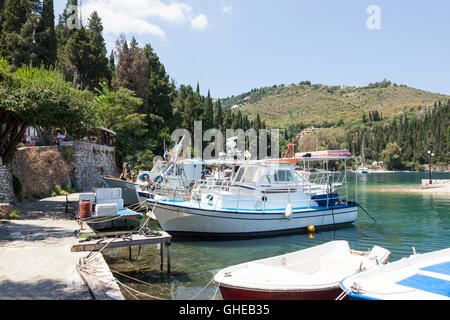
[284, 105]
[388, 120]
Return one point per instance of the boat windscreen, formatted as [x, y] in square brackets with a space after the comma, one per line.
[248, 175]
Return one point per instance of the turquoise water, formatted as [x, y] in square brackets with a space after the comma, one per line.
[403, 220]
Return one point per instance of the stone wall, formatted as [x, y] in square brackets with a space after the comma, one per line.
[39, 169]
[87, 160]
[6, 187]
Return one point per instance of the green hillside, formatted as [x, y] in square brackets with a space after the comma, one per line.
[309, 103]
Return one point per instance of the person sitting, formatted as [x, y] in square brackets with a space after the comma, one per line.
[60, 137]
[68, 137]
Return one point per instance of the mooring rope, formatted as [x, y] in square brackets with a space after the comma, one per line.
[363, 209]
[139, 292]
[203, 289]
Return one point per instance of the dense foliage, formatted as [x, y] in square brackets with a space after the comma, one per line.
[403, 142]
[37, 97]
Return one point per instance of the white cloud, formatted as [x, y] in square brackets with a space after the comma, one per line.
[142, 17]
[199, 22]
[226, 8]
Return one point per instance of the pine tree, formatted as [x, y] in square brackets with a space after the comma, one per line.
[132, 70]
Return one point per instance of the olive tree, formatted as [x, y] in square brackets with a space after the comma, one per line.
[39, 98]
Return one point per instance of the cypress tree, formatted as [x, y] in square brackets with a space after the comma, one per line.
[218, 116]
[46, 36]
[17, 30]
[208, 116]
[2, 5]
[111, 67]
[98, 70]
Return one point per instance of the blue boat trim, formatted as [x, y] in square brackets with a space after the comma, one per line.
[125, 212]
[443, 268]
[257, 212]
[354, 295]
[426, 283]
[236, 215]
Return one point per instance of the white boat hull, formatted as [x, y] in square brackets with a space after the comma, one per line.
[188, 221]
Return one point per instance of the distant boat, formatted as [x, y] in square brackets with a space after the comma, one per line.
[363, 170]
[418, 277]
[309, 274]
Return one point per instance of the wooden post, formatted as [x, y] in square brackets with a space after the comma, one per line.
[161, 251]
[168, 261]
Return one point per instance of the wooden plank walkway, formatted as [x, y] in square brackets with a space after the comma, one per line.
[129, 241]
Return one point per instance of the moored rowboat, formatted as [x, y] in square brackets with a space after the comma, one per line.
[309, 274]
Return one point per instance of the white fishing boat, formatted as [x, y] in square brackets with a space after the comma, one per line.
[264, 198]
[309, 274]
[418, 277]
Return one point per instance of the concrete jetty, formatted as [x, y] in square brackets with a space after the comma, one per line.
[36, 261]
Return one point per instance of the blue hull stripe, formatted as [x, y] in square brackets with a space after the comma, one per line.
[443, 268]
[426, 283]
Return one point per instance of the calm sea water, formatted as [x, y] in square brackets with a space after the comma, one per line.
[403, 221]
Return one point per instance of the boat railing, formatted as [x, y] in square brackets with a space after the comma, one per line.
[325, 197]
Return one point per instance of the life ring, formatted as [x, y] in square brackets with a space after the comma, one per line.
[159, 179]
[145, 177]
[206, 173]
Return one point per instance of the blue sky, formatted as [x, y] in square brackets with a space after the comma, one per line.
[232, 46]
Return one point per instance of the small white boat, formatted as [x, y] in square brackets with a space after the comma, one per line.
[418, 277]
[309, 274]
[363, 170]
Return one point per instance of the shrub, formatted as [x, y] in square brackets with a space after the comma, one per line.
[58, 191]
[14, 214]
[68, 154]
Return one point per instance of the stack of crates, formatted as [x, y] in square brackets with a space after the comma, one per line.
[108, 201]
